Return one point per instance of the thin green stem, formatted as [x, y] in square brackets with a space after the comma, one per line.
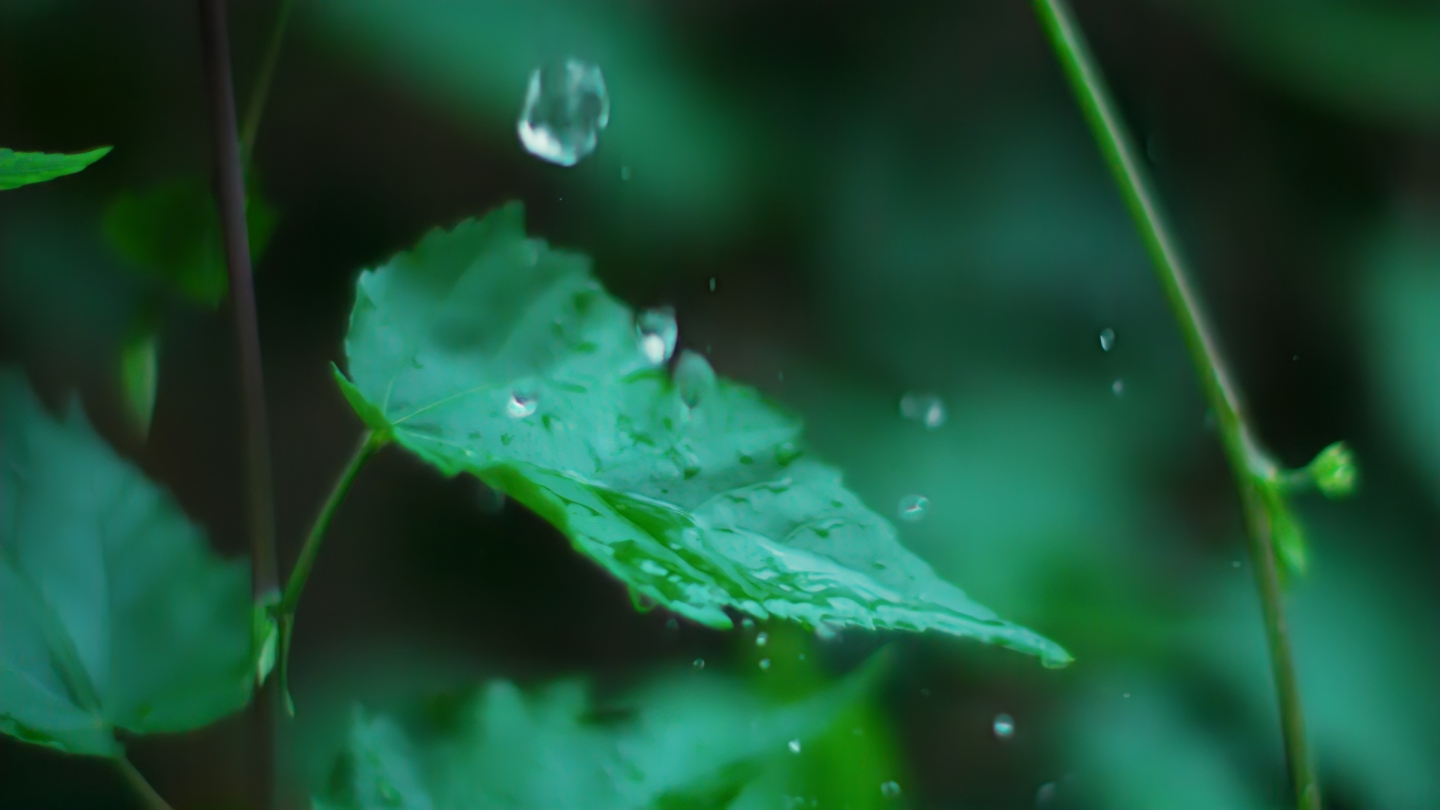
[138, 783]
[370, 443]
[261, 93]
[1251, 467]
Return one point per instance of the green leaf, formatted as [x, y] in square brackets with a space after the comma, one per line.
[690, 741]
[139, 376]
[115, 613]
[23, 168]
[172, 233]
[489, 353]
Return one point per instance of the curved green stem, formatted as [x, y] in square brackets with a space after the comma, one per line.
[138, 783]
[1251, 467]
[261, 93]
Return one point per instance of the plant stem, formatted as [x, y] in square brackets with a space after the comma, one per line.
[230, 191]
[140, 785]
[261, 93]
[1249, 464]
[370, 443]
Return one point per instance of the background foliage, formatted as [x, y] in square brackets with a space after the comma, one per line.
[888, 198]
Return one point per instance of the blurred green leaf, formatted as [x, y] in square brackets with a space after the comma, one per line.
[489, 353]
[23, 168]
[690, 740]
[116, 614]
[139, 375]
[172, 233]
[1375, 59]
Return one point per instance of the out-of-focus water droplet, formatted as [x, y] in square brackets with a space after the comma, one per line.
[1004, 727]
[625, 173]
[927, 409]
[694, 378]
[913, 508]
[566, 107]
[1126, 695]
[656, 331]
[712, 284]
[890, 790]
[521, 404]
[764, 663]
[747, 622]
[825, 631]
[1234, 563]
[761, 639]
[1118, 387]
[1045, 796]
[794, 746]
[699, 663]
[1107, 338]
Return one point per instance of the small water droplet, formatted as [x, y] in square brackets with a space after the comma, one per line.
[1004, 726]
[1117, 387]
[1234, 563]
[890, 790]
[927, 409]
[913, 508]
[712, 284]
[764, 663]
[625, 173]
[1107, 338]
[699, 663]
[1045, 796]
[747, 623]
[761, 639]
[694, 377]
[794, 746]
[521, 404]
[566, 107]
[657, 333]
[1125, 695]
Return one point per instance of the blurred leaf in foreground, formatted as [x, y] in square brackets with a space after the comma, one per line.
[486, 352]
[691, 741]
[172, 232]
[139, 375]
[115, 613]
[23, 168]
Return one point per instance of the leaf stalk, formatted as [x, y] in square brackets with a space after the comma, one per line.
[1252, 468]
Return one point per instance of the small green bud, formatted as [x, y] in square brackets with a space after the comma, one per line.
[1334, 471]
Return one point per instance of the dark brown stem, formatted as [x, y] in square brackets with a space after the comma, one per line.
[230, 193]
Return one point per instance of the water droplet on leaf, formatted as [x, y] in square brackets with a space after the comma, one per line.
[694, 377]
[657, 332]
[913, 508]
[1004, 726]
[890, 790]
[927, 409]
[521, 404]
[1107, 338]
[566, 107]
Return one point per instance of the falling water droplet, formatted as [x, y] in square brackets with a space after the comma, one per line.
[1118, 387]
[625, 173]
[1234, 563]
[712, 284]
[913, 508]
[566, 107]
[794, 746]
[764, 663]
[927, 409]
[890, 790]
[747, 622]
[656, 331]
[1107, 338]
[521, 404]
[1045, 796]
[699, 663]
[1004, 727]
[694, 377]
[761, 638]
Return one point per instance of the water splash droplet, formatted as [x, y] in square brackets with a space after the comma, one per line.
[762, 638]
[913, 508]
[694, 377]
[1004, 727]
[764, 663]
[656, 331]
[699, 663]
[890, 790]
[927, 409]
[566, 107]
[1118, 387]
[1107, 338]
[794, 746]
[521, 404]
